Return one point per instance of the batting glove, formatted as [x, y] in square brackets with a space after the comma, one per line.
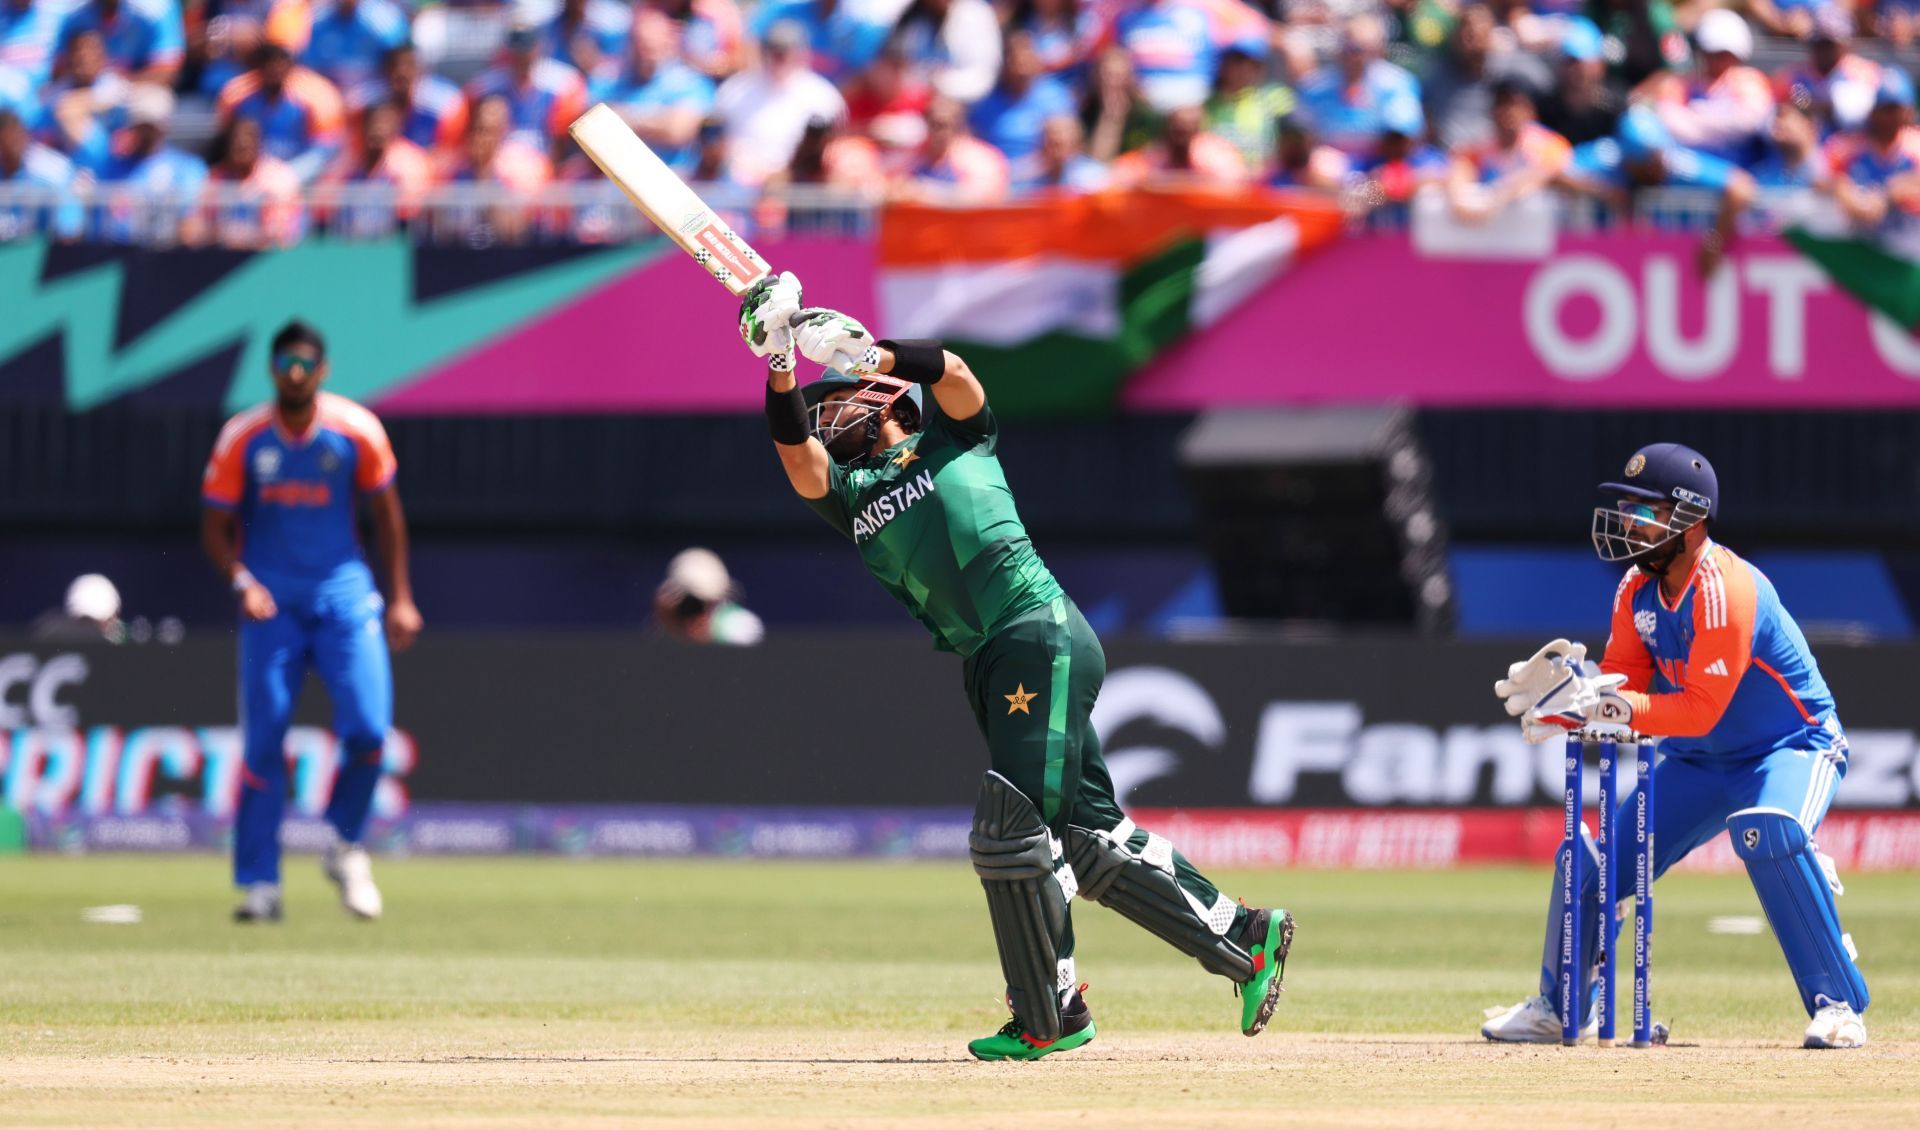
[827, 337]
[766, 311]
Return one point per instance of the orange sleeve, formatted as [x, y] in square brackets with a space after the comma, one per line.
[290, 24]
[325, 108]
[1626, 652]
[453, 126]
[225, 480]
[233, 93]
[569, 103]
[1724, 602]
[377, 464]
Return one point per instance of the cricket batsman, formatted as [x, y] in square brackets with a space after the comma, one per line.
[916, 484]
[1703, 654]
[278, 524]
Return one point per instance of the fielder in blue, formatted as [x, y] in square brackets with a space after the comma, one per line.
[280, 500]
[1704, 654]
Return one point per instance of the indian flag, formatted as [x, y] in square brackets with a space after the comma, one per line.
[1056, 302]
[1880, 268]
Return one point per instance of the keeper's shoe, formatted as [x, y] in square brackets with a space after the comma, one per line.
[259, 902]
[1836, 1025]
[1535, 1020]
[349, 868]
[1013, 1042]
[1267, 936]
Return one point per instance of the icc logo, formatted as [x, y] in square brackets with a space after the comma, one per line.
[1646, 623]
[1569, 764]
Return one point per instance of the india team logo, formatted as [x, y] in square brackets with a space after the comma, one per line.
[266, 462]
[1636, 464]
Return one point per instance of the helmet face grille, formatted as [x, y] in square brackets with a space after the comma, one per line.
[846, 415]
[862, 408]
[1631, 529]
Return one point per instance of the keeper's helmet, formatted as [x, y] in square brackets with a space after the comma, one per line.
[1665, 490]
[856, 420]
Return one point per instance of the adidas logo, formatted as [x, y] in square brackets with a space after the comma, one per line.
[1717, 667]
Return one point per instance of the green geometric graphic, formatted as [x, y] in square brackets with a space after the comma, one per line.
[366, 287]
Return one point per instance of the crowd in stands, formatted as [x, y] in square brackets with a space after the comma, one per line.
[963, 101]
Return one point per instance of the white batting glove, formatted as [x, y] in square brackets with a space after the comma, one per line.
[766, 312]
[1530, 678]
[828, 337]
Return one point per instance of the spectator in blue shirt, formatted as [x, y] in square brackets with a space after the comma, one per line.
[350, 37]
[1012, 115]
[658, 94]
[29, 34]
[433, 110]
[148, 188]
[80, 112]
[144, 38]
[841, 42]
[585, 34]
[19, 92]
[1348, 99]
[1793, 158]
[44, 176]
[1066, 33]
[1060, 164]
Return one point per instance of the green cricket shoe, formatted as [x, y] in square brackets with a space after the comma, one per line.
[1013, 1042]
[1267, 936]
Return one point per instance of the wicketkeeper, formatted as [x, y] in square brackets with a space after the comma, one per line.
[916, 485]
[1704, 654]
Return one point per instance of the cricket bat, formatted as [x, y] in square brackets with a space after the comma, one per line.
[665, 199]
[674, 208]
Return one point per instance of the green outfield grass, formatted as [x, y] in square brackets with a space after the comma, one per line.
[596, 965]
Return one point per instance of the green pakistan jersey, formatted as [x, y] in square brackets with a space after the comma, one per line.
[936, 525]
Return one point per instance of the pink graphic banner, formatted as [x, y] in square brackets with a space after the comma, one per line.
[661, 338]
[1620, 319]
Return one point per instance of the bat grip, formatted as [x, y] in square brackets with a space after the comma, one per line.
[842, 363]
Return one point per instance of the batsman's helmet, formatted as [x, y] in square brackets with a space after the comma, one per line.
[874, 392]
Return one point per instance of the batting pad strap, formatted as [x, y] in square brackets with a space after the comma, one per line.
[1028, 885]
[922, 360]
[787, 416]
[1150, 897]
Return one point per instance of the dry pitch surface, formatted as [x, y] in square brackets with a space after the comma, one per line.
[558, 994]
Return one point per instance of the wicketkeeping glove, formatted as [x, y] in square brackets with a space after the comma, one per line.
[828, 337]
[765, 312]
[1528, 679]
[1578, 701]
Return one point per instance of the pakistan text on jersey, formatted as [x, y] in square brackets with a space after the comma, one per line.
[886, 507]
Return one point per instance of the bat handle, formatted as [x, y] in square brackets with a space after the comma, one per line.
[842, 363]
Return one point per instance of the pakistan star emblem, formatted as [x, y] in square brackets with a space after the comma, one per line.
[906, 456]
[1019, 699]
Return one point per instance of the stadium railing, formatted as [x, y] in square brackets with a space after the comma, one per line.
[483, 215]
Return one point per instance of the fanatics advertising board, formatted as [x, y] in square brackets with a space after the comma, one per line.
[1365, 752]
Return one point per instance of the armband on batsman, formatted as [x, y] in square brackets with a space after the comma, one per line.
[787, 416]
[921, 360]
